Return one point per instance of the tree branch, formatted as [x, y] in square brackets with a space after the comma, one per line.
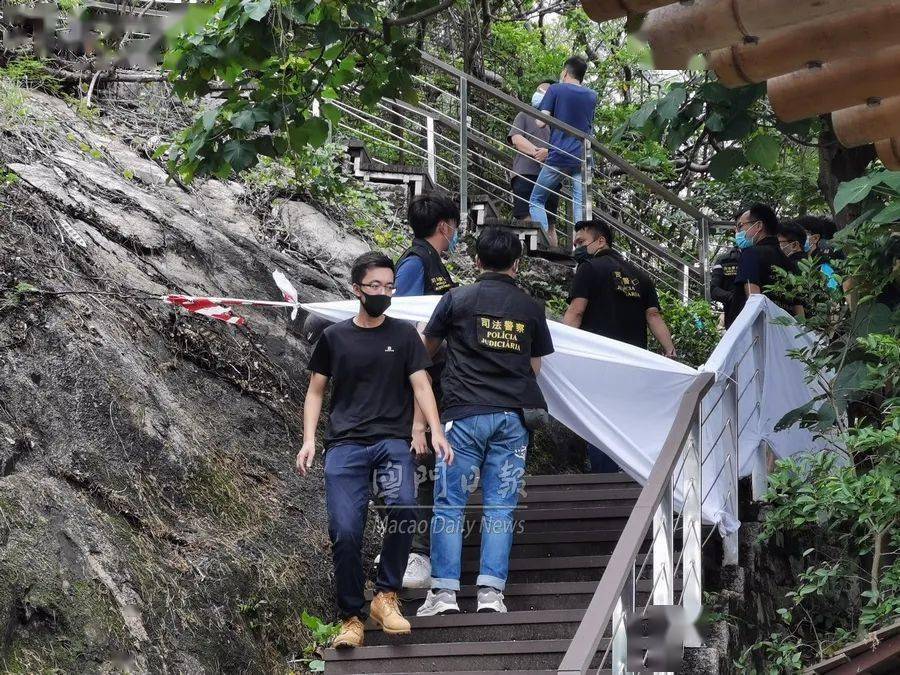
[414, 18]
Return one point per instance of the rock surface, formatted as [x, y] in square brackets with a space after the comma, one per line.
[149, 513]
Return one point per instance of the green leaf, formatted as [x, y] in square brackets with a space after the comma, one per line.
[24, 287]
[715, 123]
[852, 192]
[639, 118]
[889, 214]
[317, 131]
[794, 416]
[725, 162]
[239, 154]
[249, 118]
[209, 118]
[671, 104]
[316, 666]
[763, 150]
[737, 127]
[713, 92]
[257, 9]
[331, 112]
[328, 31]
[361, 14]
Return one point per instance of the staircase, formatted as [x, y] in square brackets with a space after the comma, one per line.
[570, 525]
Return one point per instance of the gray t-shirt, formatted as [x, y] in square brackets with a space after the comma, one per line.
[526, 125]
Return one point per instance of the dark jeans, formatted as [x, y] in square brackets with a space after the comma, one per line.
[599, 462]
[522, 187]
[349, 473]
[425, 498]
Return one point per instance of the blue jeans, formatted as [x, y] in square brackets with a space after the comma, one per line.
[599, 461]
[349, 472]
[548, 181]
[491, 449]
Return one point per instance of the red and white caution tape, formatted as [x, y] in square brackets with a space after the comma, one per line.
[219, 308]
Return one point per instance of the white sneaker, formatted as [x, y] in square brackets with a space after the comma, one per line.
[418, 571]
[490, 600]
[440, 602]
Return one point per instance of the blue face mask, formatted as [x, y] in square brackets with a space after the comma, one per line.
[806, 246]
[536, 98]
[454, 240]
[741, 240]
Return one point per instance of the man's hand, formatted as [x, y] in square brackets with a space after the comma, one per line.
[305, 457]
[419, 443]
[441, 446]
[540, 154]
[671, 353]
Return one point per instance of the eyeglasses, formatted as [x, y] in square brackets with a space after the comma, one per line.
[377, 287]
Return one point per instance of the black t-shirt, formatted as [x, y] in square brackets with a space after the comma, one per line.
[618, 296]
[757, 267]
[493, 329]
[369, 368]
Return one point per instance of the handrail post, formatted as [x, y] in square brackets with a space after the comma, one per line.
[587, 180]
[704, 256]
[429, 149]
[691, 538]
[686, 284]
[463, 152]
[663, 549]
[759, 479]
[730, 415]
[624, 605]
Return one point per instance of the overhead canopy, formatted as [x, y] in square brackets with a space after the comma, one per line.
[623, 399]
[818, 56]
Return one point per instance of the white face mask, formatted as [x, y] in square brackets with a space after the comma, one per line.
[536, 98]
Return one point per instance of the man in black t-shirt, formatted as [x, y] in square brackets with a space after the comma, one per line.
[757, 230]
[613, 298]
[377, 367]
[721, 281]
[791, 239]
[496, 335]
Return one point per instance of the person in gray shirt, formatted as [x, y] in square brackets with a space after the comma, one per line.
[532, 146]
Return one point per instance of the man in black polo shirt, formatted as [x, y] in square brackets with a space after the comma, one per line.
[613, 298]
[757, 230]
[377, 367]
[496, 335]
[721, 281]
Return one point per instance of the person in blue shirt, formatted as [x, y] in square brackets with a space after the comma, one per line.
[421, 271]
[435, 224]
[571, 102]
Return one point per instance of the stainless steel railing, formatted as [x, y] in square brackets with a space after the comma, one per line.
[680, 488]
[457, 132]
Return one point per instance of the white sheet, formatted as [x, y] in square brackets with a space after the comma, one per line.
[623, 399]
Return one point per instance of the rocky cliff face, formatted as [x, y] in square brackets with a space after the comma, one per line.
[149, 513]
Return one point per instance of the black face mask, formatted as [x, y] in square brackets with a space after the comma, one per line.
[581, 254]
[375, 305]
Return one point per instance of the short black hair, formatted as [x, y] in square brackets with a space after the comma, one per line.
[766, 215]
[791, 231]
[497, 249]
[824, 227]
[598, 227]
[576, 67]
[368, 261]
[545, 81]
[427, 210]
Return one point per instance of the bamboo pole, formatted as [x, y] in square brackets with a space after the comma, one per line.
[678, 31]
[888, 150]
[827, 39]
[604, 10]
[864, 124]
[844, 83]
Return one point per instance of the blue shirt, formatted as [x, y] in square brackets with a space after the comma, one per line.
[410, 278]
[573, 104]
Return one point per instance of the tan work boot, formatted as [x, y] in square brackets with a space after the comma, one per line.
[351, 634]
[385, 612]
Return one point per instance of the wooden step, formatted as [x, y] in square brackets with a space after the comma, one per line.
[553, 624]
[530, 655]
[560, 498]
[579, 480]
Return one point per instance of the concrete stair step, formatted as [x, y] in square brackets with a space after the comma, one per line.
[530, 655]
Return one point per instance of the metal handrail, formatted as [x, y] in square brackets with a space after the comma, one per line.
[590, 632]
[608, 154]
